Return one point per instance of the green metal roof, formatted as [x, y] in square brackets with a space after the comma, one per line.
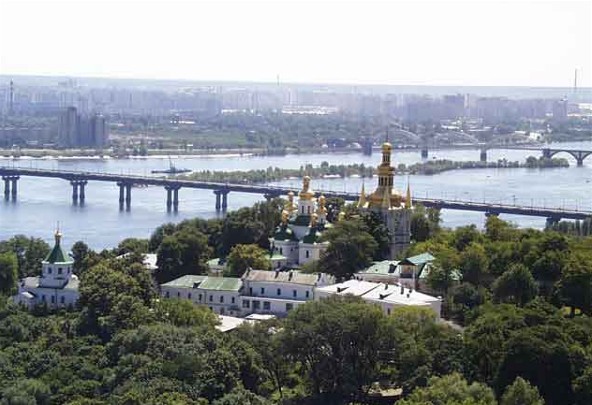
[384, 267]
[419, 259]
[221, 284]
[301, 220]
[185, 281]
[57, 255]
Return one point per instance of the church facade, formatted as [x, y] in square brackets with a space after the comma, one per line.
[56, 287]
[394, 209]
[298, 237]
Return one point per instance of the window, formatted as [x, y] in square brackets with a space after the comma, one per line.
[262, 290]
[388, 311]
[289, 307]
[43, 298]
[199, 297]
[281, 252]
[166, 294]
[256, 305]
[246, 304]
[307, 294]
[294, 293]
[279, 291]
[49, 270]
[232, 300]
[221, 299]
[188, 295]
[250, 290]
[211, 298]
[62, 299]
[266, 305]
[52, 299]
[308, 209]
[59, 270]
[307, 253]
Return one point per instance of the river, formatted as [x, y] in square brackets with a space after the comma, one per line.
[43, 202]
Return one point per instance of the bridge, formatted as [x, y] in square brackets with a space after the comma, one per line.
[78, 180]
[578, 155]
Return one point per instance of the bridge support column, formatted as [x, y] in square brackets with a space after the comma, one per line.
[552, 221]
[224, 201]
[483, 155]
[6, 188]
[74, 192]
[424, 152]
[176, 199]
[169, 198]
[121, 195]
[218, 194]
[82, 193]
[547, 153]
[13, 191]
[128, 196]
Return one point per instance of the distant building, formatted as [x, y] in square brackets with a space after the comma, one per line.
[76, 130]
[560, 109]
[56, 287]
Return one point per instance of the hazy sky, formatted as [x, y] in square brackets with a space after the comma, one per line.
[475, 42]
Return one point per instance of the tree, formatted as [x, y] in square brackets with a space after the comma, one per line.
[242, 257]
[441, 275]
[241, 396]
[29, 252]
[184, 313]
[521, 393]
[338, 341]
[184, 252]
[474, 263]
[540, 355]
[8, 272]
[26, 391]
[516, 285]
[350, 249]
[132, 245]
[80, 251]
[451, 389]
[575, 287]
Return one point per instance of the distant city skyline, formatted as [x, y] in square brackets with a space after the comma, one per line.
[478, 43]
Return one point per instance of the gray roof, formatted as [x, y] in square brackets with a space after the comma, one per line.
[33, 282]
[294, 277]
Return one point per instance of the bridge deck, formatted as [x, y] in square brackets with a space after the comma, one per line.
[556, 213]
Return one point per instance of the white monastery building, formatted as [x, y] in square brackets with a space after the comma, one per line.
[56, 287]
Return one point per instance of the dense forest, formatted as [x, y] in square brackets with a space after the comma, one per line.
[518, 327]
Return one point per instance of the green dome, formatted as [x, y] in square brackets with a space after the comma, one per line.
[282, 232]
[57, 254]
[313, 236]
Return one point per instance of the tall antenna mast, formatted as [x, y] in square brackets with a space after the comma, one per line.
[575, 87]
[11, 98]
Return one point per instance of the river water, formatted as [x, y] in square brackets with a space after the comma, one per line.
[43, 202]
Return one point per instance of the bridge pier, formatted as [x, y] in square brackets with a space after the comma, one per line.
[424, 152]
[552, 221]
[78, 193]
[10, 187]
[221, 200]
[125, 195]
[483, 155]
[547, 153]
[172, 199]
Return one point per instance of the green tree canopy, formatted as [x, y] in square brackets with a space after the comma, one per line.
[242, 257]
[521, 393]
[516, 285]
[451, 389]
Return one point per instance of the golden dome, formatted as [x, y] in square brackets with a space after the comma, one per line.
[306, 193]
[387, 147]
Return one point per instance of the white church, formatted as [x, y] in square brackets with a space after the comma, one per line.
[298, 237]
[56, 287]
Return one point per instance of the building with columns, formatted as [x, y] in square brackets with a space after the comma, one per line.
[298, 237]
[394, 209]
[56, 287]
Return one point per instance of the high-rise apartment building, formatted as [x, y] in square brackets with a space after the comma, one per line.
[77, 130]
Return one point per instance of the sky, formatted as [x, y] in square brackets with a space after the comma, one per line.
[501, 43]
